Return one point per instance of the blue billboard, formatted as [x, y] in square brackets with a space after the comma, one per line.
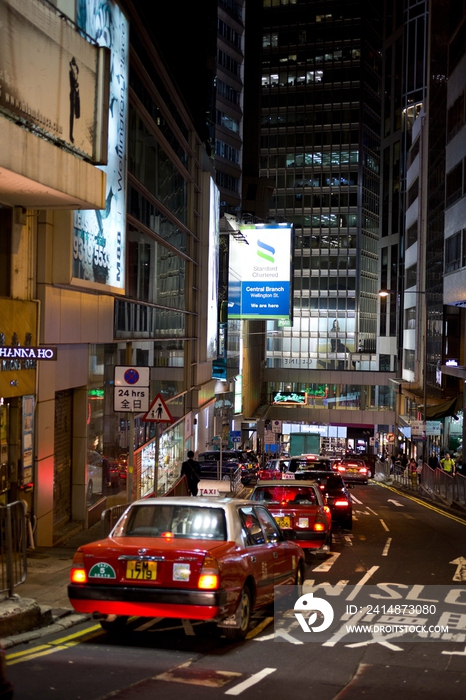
[260, 273]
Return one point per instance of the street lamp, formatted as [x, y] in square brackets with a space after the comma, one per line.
[387, 292]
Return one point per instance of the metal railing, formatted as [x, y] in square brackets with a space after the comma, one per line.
[13, 545]
[449, 488]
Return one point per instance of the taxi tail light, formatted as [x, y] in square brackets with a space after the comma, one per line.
[209, 577]
[341, 468]
[319, 524]
[78, 573]
[362, 470]
[343, 502]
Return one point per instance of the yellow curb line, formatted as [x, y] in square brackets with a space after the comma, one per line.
[423, 503]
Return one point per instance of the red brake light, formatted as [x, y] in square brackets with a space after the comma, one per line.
[78, 572]
[342, 502]
[363, 470]
[341, 468]
[209, 578]
[319, 527]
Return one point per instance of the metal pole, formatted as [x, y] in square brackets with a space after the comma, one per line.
[156, 461]
[129, 491]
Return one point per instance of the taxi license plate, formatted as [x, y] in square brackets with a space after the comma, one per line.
[282, 522]
[141, 570]
[352, 470]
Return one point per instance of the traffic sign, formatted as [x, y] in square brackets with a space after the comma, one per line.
[131, 389]
[158, 412]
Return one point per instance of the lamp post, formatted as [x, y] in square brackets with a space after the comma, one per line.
[422, 335]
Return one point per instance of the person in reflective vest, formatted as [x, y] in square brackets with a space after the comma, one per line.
[448, 464]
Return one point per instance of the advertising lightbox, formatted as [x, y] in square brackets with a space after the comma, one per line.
[260, 274]
[99, 236]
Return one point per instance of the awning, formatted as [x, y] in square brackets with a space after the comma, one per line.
[445, 408]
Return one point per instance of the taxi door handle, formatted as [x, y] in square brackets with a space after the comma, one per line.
[253, 558]
[275, 555]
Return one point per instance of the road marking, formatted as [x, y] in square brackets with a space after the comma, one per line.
[56, 645]
[250, 681]
[395, 503]
[355, 500]
[193, 675]
[462, 521]
[258, 628]
[372, 511]
[385, 527]
[455, 653]
[148, 625]
[327, 565]
[361, 583]
[387, 547]
[188, 628]
[460, 573]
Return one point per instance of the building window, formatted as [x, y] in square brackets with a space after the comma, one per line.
[455, 118]
[408, 360]
[453, 252]
[411, 276]
[413, 192]
[454, 184]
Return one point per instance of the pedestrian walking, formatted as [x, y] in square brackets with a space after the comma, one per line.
[192, 471]
[448, 464]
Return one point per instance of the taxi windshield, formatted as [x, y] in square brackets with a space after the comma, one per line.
[285, 494]
[192, 522]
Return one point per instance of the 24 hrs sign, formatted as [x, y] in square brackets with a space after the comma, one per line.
[131, 391]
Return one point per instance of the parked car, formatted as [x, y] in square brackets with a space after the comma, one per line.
[353, 470]
[123, 466]
[337, 497]
[231, 460]
[298, 506]
[94, 475]
[114, 472]
[189, 558]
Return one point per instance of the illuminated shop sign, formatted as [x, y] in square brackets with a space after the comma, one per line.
[99, 236]
[259, 285]
[291, 397]
[18, 352]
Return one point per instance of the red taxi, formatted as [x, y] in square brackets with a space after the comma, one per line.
[273, 469]
[189, 558]
[298, 506]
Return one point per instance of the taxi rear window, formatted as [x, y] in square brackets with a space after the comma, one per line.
[285, 494]
[192, 522]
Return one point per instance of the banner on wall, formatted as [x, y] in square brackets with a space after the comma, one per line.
[99, 236]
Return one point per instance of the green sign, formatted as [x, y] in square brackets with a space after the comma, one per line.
[102, 570]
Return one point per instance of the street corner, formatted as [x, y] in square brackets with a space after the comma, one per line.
[18, 615]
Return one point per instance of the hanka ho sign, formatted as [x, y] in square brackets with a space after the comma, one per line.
[27, 352]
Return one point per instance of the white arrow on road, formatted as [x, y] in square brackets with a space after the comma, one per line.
[327, 565]
[400, 505]
[460, 573]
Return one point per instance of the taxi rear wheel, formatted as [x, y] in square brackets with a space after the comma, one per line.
[244, 614]
[299, 580]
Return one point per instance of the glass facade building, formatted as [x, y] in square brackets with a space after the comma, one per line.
[320, 145]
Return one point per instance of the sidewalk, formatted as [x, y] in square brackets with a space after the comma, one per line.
[42, 600]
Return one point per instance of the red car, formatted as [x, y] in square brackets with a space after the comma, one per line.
[298, 506]
[189, 558]
[273, 469]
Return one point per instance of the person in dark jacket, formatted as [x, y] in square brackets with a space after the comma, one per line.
[192, 471]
